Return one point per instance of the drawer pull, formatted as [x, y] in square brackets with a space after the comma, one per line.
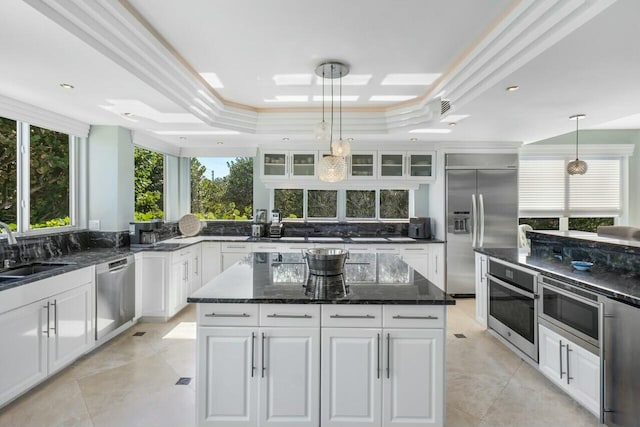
[348, 316]
[227, 315]
[415, 317]
[289, 316]
[414, 249]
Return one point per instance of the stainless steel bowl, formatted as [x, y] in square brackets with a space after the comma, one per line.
[326, 261]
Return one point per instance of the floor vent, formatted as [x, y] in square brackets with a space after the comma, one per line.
[139, 334]
[460, 335]
[184, 381]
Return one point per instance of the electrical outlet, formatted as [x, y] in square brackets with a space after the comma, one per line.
[94, 224]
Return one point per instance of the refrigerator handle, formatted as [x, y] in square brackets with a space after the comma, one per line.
[474, 211]
[481, 220]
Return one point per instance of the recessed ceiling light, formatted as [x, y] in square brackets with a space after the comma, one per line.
[453, 124]
[430, 131]
[288, 98]
[349, 80]
[409, 79]
[292, 79]
[350, 139]
[66, 86]
[183, 138]
[346, 98]
[391, 97]
[213, 80]
[219, 142]
[413, 139]
[512, 88]
[286, 138]
[127, 114]
[196, 132]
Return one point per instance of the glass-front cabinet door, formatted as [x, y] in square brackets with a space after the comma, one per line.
[391, 165]
[421, 165]
[362, 165]
[274, 165]
[303, 165]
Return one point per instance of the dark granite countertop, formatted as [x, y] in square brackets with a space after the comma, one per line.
[283, 279]
[615, 284]
[76, 260]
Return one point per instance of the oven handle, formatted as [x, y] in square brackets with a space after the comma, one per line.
[567, 293]
[509, 286]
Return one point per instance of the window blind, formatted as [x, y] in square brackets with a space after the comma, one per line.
[547, 190]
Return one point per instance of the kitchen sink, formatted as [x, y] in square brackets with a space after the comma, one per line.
[29, 269]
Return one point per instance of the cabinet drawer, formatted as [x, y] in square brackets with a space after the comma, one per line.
[418, 316]
[303, 315]
[228, 314]
[346, 315]
[235, 247]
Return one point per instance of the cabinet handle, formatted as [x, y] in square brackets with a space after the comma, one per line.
[253, 351]
[569, 377]
[267, 247]
[414, 249]
[346, 316]
[560, 353]
[47, 330]
[415, 317]
[378, 343]
[436, 264]
[289, 316]
[227, 315]
[236, 247]
[55, 316]
[388, 354]
[197, 261]
[385, 249]
[262, 355]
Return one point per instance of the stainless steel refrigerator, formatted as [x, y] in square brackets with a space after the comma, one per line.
[482, 211]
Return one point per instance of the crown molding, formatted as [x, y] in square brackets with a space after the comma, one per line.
[117, 30]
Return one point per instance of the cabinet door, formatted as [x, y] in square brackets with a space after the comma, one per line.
[71, 334]
[154, 284]
[24, 349]
[481, 289]
[178, 286]
[583, 368]
[413, 386]
[303, 164]
[436, 264]
[227, 379]
[420, 165]
[417, 256]
[290, 377]
[351, 380]
[210, 261]
[275, 165]
[391, 166]
[362, 166]
[195, 269]
[551, 356]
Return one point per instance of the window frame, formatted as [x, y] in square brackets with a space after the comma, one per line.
[23, 181]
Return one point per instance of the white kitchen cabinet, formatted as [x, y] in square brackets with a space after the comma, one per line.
[391, 165]
[573, 368]
[351, 380]
[436, 264]
[47, 334]
[233, 252]
[362, 165]
[416, 165]
[195, 267]
[274, 165]
[413, 391]
[210, 261]
[71, 326]
[426, 259]
[303, 164]
[153, 269]
[481, 289]
[289, 377]
[421, 165]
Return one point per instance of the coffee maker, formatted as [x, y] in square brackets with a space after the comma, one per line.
[420, 228]
[144, 232]
[276, 228]
[260, 224]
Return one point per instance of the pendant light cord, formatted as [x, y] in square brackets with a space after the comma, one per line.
[577, 138]
[323, 94]
[331, 128]
[340, 105]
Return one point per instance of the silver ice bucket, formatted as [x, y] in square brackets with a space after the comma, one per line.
[326, 261]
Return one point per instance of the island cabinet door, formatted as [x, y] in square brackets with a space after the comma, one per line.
[413, 377]
[289, 377]
[351, 379]
[227, 377]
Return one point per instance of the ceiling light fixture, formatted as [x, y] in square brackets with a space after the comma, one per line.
[413, 139]
[67, 86]
[220, 143]
[512, 88]
[286, 138]
[332, 168]
[577, 166]
[453, 124]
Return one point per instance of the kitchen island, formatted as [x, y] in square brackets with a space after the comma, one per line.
[278, 347]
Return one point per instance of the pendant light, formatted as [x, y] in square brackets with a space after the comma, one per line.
[321, 131]
[332, 168]
[341, 147]
[577, 166]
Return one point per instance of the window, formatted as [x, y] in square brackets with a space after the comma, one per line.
[361, 204]
[322, 204]
[222, 187]
[43, 198]
[541, 223]
[394, 204]
[290, 202]
[589, 223]
[148, 184]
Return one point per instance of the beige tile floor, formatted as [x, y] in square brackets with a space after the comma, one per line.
[130, 381]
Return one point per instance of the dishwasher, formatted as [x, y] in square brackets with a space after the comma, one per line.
[115, 295]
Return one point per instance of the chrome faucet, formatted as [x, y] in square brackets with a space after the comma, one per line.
[11, 239]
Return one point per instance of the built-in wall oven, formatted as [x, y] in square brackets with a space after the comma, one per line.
[513, 305]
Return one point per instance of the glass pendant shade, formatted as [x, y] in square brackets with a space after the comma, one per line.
[332, 169]
[341, 148]
[322, 131]
[577, 167]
